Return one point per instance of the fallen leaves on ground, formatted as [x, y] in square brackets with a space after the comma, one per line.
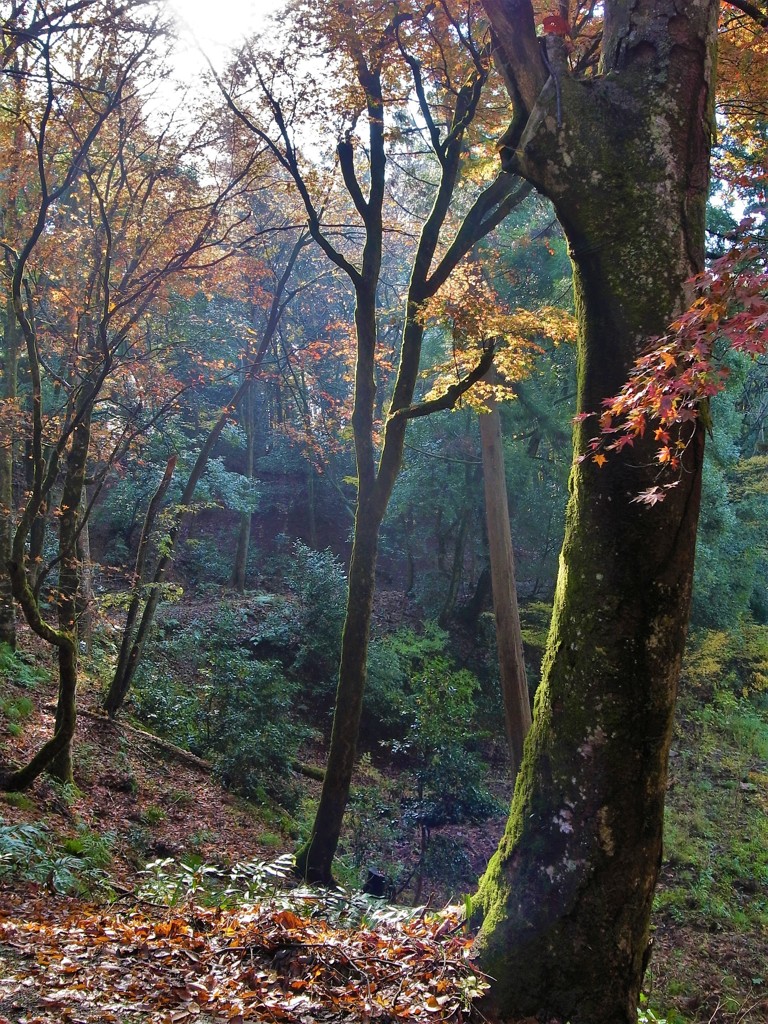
[70, 961]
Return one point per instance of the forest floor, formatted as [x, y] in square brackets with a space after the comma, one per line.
[139, 947]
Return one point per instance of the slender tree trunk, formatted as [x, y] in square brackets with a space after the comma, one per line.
[457, 568]
[121, 678]
[311, 503]
[8, 375]
[376, 480]
[85, 596]
[133, 643]
[314, 860]
[567, 897]
[12, 341]
[55, 756]
[509, 638]
[37, 534]
[69, 583]
[244, 531]
[241, 552]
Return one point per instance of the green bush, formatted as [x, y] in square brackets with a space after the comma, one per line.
[250, 733]
[736, 659]
[384, 691]
[200, 687]
[438, 712]
[304, 631]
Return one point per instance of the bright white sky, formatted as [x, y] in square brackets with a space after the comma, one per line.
[217, 25]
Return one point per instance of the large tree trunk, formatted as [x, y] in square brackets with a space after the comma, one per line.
[567, 897]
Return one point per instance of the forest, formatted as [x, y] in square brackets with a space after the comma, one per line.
[384, 514]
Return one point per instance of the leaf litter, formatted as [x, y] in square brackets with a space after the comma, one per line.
[68, 960]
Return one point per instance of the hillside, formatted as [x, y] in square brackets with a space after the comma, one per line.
[89, 935]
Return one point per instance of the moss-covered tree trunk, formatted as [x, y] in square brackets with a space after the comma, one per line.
[566, 899]
[55, 756]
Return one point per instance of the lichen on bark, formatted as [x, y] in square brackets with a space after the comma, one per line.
[566, 899]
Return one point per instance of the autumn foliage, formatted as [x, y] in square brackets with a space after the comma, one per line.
[258, 962]
[670, 386]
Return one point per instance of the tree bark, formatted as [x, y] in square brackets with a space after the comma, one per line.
[85, 594]
[8, 378]
[121, 678]
[566, 899]
[314, 860]
[509, 638]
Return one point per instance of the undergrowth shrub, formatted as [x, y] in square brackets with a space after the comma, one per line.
[200, 687]
[438, 746]
[371, 825]
[17, 670]
[248, 882]
[392, 660]
[73, 865]
[716, 832]
[17, 675]
[448, 860]
[200, 562]
[304, 631]
[736, 659]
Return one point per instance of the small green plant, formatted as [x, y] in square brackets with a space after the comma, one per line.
[170, 882]
[138, 839]
[180, 798]
[65, 793]
[200, 839]
[271, 840]
[153, 815]
[15, 709]
[91, 847]
[87, 762]
[17, 669]
[20, 800]
[30, 852]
